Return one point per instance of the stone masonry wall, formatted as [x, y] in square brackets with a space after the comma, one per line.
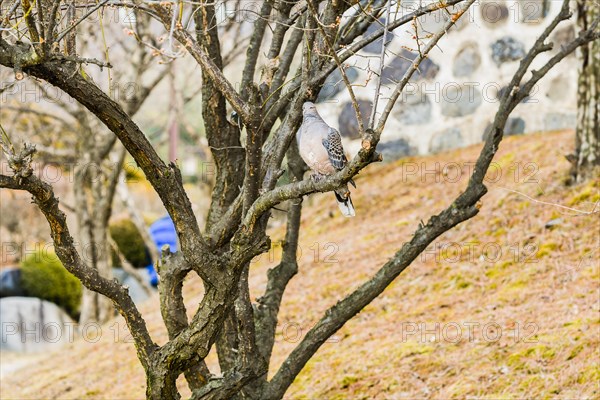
[452, 99]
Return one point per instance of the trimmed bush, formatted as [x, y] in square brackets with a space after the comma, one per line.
[44, 276]
[133, 173]
[130, 242]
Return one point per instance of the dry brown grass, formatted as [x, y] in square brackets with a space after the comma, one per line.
[540, 292]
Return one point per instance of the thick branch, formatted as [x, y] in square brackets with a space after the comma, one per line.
[172, 270]
[464, 207]
[337, 315]
[223, 137]
[254, 47]
[166, 180]
[43, 196]
[207, 64]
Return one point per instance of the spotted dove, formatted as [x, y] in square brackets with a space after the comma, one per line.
[321, 149]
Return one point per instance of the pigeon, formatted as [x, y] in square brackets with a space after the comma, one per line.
[321, 148]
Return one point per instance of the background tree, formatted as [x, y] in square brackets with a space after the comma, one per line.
[85, 148]
[100, 156]
[587, 135]
[254, 140]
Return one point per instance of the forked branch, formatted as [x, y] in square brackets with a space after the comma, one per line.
[466, 206]
[44, 198]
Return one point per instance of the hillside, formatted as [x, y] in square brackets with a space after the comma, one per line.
[516, 302]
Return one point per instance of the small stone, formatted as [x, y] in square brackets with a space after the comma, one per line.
[395, 149]
[507, 49]
[347, 120]
[445, 140]
[467, 60]
[413, 108]
[375, 46]
[334, 84]
[396, 69]
[460, 100]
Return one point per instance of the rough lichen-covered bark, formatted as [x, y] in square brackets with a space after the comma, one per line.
[587, 135]
[248, 173]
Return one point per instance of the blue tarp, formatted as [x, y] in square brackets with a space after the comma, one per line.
[162, 232]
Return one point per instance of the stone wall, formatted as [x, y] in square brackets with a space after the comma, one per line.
[452, 99]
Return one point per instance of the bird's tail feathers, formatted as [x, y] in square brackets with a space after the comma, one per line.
[345, 205]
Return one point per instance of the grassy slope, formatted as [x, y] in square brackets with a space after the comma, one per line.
[538, 288]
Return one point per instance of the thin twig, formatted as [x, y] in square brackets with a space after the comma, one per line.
[355, 105]
[416, 62]
[127, 267]
[581, 212]
[76, 23]
[381, 66]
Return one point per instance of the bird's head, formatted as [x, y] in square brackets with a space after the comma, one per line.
[309, 108]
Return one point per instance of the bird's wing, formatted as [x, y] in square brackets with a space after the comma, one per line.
[335, 150]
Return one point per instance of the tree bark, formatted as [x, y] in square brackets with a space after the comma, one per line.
[248, 173]
[587, 135]
[94, 190]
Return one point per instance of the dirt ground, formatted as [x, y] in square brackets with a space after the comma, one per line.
[504, 306]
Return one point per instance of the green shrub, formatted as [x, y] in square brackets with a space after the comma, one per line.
[43, 276]
[133, 173]
[130, 243]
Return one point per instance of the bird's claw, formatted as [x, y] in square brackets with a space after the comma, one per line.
[316, 177]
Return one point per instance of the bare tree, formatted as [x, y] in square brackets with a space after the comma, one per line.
[94, 155]
[255, 141]
[97, 174]
[587, 135]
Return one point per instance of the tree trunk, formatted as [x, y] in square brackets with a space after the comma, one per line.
[587, 136]
[93, 242]
[241, 204]
[96, 179]
[161, 385]
[94, 306]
